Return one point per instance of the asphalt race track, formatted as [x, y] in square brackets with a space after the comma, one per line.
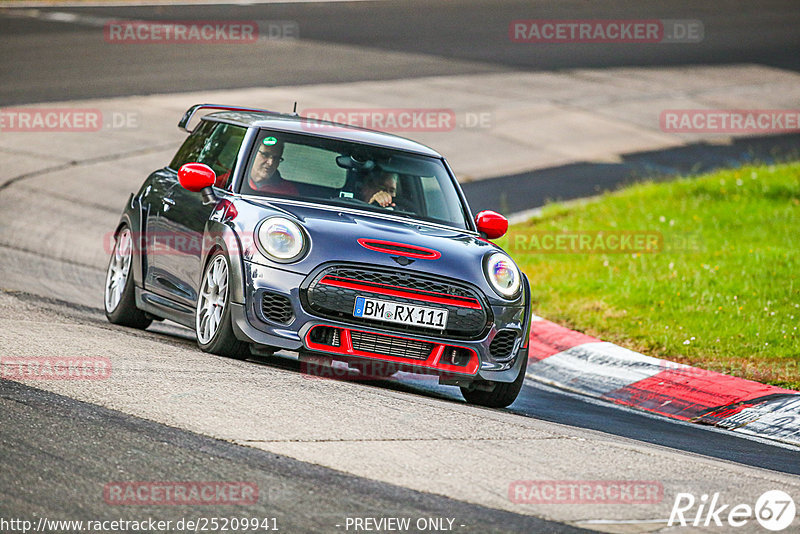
[320, 451]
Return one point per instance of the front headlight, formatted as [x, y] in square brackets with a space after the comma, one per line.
[503, 275]
[282, 239]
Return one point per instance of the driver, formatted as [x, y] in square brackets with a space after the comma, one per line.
[264, 174]
[379, 187]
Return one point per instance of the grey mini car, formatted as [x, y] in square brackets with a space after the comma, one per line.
[272, 231]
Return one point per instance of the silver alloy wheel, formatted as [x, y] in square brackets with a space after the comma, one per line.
[211, 301]
[118, 269]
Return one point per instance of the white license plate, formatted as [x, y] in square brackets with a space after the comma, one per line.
[395, 312]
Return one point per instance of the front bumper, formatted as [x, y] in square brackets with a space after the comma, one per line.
[456, 360]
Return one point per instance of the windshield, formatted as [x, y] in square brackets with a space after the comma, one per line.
[342, 173]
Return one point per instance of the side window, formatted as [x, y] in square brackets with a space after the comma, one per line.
[190, 150]
[221, 150]
[216, 145]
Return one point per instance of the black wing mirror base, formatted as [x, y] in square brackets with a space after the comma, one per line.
[209, 197]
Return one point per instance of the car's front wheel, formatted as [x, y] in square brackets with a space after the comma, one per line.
[502, 394]
[118, 294]
[213, 314]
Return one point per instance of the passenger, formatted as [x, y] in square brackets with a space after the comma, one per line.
[379, 188]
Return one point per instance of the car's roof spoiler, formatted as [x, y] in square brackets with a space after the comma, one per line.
[187, 117]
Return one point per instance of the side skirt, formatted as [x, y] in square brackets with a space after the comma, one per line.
[164, 307]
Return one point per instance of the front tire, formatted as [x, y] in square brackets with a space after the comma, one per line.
[502, 395]
[213, 313]
[118, 296]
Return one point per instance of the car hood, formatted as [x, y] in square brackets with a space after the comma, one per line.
[335, 236]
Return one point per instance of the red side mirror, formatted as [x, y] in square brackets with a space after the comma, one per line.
[492, 224]
[196, 176]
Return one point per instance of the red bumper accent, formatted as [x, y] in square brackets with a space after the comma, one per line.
[434, 361]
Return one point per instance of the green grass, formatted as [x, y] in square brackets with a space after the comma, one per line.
[722, 293]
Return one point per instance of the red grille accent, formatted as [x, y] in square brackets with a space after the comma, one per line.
[382, 342]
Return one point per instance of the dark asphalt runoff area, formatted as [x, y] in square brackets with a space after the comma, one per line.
[585, 179]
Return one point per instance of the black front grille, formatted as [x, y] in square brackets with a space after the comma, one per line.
[410, 281]
[328, 299]
[390, 346]
[277, 308]
[502, 347]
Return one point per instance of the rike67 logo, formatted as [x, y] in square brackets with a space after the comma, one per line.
[774, 510]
